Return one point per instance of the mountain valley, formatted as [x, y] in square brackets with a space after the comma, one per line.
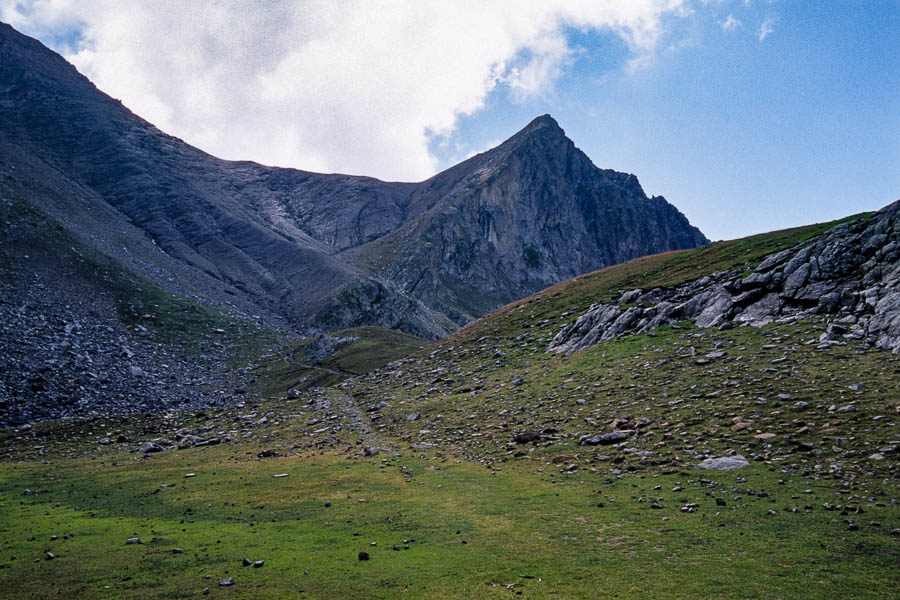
[520, 377]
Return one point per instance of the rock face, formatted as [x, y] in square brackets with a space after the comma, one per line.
[851, 271]
[530, 213]
[305, 250]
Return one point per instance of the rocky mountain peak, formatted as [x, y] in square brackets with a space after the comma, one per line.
[544, 125]
[542, 137]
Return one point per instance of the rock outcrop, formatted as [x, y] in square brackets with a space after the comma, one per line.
[851, 272]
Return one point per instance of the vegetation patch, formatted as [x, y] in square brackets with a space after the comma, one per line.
[432, 528]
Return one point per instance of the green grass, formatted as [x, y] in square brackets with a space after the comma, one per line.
[370, 349]
[539, 532]
[373, 347]
[173, 318]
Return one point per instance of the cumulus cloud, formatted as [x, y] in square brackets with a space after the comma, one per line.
[357, 86]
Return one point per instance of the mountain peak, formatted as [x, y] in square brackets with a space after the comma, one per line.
[543, 129]
[543, 125]
[542, 121]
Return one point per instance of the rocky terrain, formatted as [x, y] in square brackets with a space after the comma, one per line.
[305, 251]
[852, 273]
[490, 464]
[80, 338]
[59, 362]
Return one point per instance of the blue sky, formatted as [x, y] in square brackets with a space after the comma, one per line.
[748, 115]
[743, 135]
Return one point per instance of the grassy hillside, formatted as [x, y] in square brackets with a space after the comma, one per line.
[426, 458]
[360, 350]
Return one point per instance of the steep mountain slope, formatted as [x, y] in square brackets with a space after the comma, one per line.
[306, 250]
[221, 221]
[80, 336]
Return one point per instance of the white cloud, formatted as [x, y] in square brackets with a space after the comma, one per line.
[766, 28]
[353, 86]
[730, 23]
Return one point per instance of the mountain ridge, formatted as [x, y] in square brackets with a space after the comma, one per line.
[310, 251]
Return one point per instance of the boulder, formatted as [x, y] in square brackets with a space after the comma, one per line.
[724, 463]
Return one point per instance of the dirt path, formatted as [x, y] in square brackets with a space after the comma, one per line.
[360, 421]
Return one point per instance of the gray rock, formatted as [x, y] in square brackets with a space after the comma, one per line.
[526, 437]
[724, 463]
[187, 441]
[150, 447]
[213, 441]
[630, 296]
[603, 439]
